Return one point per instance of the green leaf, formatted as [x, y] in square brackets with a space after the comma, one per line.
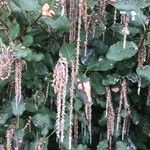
[14, 7]
[117, 53]
[5, 113]
[96, 83]
[61, 24]
[121, 146]
[18, 109]
[126, 6]
[42, 121]
[29, 5]
[67, 51]
[3, 118]
[103, 145]
[101, 101]
[80, 147]
[14, 30]
[40, 69]
[92, 4]
[102, 64]
[88, 58]
[30, 105]
[39, 98]
[143, 3]
[148, 39]
[45, 110]
[1, 42]
[144, 72]
[27, 40]
[118, 28]
[18, 136]
[135, 117]
[102, 122]
[29, 55]
[77, 104]
[110, 80]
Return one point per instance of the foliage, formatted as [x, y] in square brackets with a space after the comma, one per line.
[40, 40]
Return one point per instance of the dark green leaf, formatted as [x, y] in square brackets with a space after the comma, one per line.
[42, 121]
[60, 24]
[110, 80]
[15, 29]
[18, 109]
[117, 53]
[77, 104]
[80, 147]
[29, 5]
[144, 72]
[121, 146]
[102, 145]
[96, 83]
[67, 51]
[102, 64]
[27, 40]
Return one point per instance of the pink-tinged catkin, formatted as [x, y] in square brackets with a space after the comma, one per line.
[9, 138]
[72, 87]
[78, 37]
[73, 16]
[123, 104]
[119, 110]
[60, 83]
[86, 21]
[88, 112]
[141, 56]
[102, 7]
[110, 114]
[18, 80]
[6, 61]
[76, 129]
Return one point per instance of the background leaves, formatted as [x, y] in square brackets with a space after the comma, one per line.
[39, 41]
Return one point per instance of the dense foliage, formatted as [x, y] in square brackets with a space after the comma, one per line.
[113, 55]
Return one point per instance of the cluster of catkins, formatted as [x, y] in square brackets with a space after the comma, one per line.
[119, 119]
[7, 59]
[77, 15]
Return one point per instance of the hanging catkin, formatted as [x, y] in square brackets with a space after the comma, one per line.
[125, 30]
[71, 105]
[78, 37]
[18, 76]
[9, 138]
[102, 7]
[86, 24]
[6, 61]
[110, 114]
[141, 56]
[63, 6]
[60, 82]
[76, 129]
[73, 16]
[123, 105]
